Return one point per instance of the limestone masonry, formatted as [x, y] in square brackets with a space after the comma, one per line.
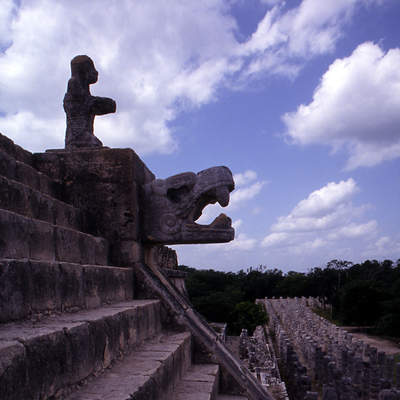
[312, 350]
[92, 305]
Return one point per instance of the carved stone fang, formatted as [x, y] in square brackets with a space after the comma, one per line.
[223, 196]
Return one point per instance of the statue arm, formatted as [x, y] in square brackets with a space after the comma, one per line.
[103, 105]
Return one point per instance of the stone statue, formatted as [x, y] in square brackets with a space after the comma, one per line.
[174, 204]
[81, 107]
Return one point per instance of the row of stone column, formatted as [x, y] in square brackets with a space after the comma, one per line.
[292, 367]
[344, 367]
[259, 357]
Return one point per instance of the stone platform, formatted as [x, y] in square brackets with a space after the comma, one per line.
[77, 320]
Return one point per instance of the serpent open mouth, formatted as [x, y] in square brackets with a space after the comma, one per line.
[220, 195]
[173, 206]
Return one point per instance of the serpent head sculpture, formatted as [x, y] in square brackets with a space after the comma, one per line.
[173, 205]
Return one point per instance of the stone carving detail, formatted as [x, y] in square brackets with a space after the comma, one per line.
[174, 204]
[167, 257]
[81, 107]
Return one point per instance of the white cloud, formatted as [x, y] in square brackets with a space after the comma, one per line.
[244, 194]
[244, 177]
[154, 58]
[354, 230]
[384, 247]
[242, 242]
[325, 218]
[325, 199]
[236, 224]
[321, 210]
[284, 39]
[274, 239]
[150, 56]
[6, 10]
[356, 106]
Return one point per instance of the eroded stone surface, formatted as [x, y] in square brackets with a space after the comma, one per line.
[173, 205]
[345, 368]
[81, 107]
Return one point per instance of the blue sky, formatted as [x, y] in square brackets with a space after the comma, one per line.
[300, 99]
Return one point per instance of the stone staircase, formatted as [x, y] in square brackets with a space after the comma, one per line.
[71, 324]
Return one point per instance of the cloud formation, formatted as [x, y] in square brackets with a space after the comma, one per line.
[356, 107]
[150, 56]
[285, 39]
[326, 217]
[155, 59]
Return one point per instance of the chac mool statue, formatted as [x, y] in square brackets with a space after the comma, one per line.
[81, 107]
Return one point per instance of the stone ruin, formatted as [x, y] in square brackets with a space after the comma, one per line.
[81, 107]
[314, 353]
[92, 304]
[257, 353]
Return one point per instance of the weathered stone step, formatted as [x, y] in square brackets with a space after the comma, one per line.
[45, 359]
[15, 151]
[20, 171]
[150, 373]
[31, 288]
[23, 237]
[200, 382]
[22, 199]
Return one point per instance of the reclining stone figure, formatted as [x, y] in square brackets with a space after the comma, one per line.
[81, 107]
[174, 204]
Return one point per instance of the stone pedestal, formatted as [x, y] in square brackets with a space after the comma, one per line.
[107, 185]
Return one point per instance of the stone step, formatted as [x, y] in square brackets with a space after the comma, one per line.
[22, 199]
[15, 151]
[200, 382]
[20, 171]
[23, 237]
[230, 397]
[150, 373]
[46, 359]
[30, 289]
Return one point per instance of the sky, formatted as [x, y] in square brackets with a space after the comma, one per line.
[299, 98]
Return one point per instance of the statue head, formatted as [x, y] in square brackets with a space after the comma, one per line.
[82, 67]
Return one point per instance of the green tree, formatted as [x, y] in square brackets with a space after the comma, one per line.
[247, 315]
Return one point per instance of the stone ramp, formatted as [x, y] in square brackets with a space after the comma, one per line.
[149, 373]
[47, 358]
[200, 382]
[180, 307]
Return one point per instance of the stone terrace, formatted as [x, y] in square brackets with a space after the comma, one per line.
[77, 320]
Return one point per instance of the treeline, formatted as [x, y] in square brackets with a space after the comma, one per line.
[366, 294]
